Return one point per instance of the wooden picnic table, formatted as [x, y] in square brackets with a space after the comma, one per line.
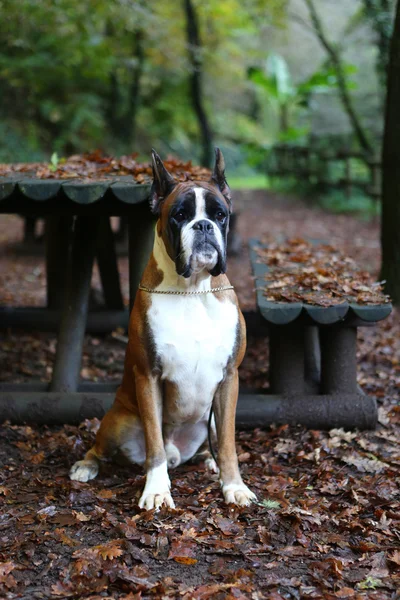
[77, 231]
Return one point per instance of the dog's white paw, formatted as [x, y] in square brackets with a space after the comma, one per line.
[149, 501]
[156, 491]
[211, 465]
[238, 493]
[84, 470]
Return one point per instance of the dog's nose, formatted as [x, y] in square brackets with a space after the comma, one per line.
[203, 225]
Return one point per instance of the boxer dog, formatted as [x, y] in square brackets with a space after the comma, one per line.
[187, 339]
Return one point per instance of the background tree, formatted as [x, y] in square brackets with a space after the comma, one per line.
[380, 15]
[390, 232]
[196, 84]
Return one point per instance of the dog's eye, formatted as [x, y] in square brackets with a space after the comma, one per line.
[180, 216]
[220, 216]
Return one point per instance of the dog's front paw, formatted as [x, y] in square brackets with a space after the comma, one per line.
[149, 501]
[238, 493]
[84, 470]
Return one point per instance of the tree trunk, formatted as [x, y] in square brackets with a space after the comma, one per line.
[341, 78]
[113, 107]
[380, 16]
[194, 48]
[114, 96]
[390, 230]
[134, 96]
[121, 113]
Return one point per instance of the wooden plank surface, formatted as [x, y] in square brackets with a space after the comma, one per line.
[283, 313]
[276, 313]
[130, 193]
[26, 194]
[7, 186]
[39, 189]
[85, 193]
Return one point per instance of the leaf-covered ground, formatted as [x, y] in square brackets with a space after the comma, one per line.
[327, 522]
[325, 525]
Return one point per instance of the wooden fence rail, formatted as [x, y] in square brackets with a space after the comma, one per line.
[324, 169]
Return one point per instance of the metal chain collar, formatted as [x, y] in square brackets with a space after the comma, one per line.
[195, 293]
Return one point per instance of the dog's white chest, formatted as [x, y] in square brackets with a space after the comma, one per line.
[194, 338]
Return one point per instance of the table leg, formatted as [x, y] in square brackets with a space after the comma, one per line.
[58, 234]
[29, 230]
[339, 360]
[141, 239]
[73, 323]
[108, 265]
[312, 354]
[286, 360]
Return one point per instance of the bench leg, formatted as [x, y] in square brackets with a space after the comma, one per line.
[286, 360]
[141, 239]
[108, 265]
[312, 355]
[58, 233]
[73, 322]
[29, 230]
[339, 360]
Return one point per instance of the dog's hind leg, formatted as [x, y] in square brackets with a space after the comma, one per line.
[204, 452]
[86, 469]
[119, 430]
[205, 455]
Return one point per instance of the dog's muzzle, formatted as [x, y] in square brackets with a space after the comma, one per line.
[206, 250]
[201, 250]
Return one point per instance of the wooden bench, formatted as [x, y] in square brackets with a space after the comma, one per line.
[313, 366]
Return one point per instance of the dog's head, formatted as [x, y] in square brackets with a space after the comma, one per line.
[193, 218]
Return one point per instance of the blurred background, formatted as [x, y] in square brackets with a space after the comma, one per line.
[247, 75]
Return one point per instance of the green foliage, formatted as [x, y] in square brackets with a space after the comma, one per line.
[17, 146]
[53, 63]
[336, 201]
[275, 79]
[288, 98]
[67, 70]
[252, 182]
[54, 161]
[333, 200]
[292, 185]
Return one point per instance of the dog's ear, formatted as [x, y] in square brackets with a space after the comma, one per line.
[163, 183]
[218, 177]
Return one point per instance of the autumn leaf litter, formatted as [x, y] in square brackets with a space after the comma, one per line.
[326, 524]
[99, 166]
[315, 273]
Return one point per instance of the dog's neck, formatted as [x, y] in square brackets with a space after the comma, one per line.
[171, 280]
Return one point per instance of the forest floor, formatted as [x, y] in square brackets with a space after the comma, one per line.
[326, 524]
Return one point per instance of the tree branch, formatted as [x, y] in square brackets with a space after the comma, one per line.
[134, 96]
[341, 77]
